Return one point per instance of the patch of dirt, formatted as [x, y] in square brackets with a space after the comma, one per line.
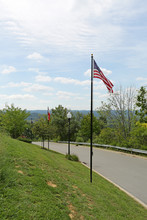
[17, 166]
[21, 172]
[83, 195]
[72, 210]
[75, 187]
[49, 183]
[90, 204]
[73, 214]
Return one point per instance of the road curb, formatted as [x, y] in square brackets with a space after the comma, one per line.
[122, 189]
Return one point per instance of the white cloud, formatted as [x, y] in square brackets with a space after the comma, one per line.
[37, 88]
[48, 94]
[84, 83]
[138, 56]
[8, 70]
[141, 79]
[2, 96]
[65, 80]
[15, 85]
[64, 95]
[35, 56]
[47, 23]
[41, 78]
[69, 95]
[100, 95]
[99, 85]
[17, 97]
[34, 70]
[88, 73]
[106, 72]
[79, 98]
[91, 25]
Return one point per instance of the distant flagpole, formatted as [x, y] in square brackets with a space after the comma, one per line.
[91, 150]
[48, 117]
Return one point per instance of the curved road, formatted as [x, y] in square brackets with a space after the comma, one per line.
[127, 171]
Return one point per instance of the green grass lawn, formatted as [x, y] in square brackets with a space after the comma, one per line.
[41, 184]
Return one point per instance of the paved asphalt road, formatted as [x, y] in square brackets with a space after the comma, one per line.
[127, 171]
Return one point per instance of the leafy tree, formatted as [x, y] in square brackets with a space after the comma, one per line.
[59, 120]
[119, 111]
[85, 131]
[13, 120]
[107, 136]
[138, 137]
[28, 130]
[60, 123]
[141, 103]
[75, 124]
[40, 128]
[43, 129]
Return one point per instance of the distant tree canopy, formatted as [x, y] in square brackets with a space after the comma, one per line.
[13, 120]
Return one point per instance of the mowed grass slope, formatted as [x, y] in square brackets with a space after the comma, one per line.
[42, 184]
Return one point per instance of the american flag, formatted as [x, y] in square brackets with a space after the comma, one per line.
[97, 73]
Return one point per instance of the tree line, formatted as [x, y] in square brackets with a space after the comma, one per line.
[121, 121]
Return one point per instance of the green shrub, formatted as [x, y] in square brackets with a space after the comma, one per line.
[24, 139]
[56, 139]
[107, 136]
[72, 157]
[138, 137]
[125, 143]
[79, 139]
[143, 147]
[95, 139]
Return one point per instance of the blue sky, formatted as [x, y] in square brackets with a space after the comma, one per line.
[46, 45]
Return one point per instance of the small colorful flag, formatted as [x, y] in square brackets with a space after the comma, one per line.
[48, 114]
[97, 73]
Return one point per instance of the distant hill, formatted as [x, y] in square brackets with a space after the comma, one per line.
[36, 114]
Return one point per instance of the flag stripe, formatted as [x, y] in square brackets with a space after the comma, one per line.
[101, 75]
[105, 81]
[96, 75]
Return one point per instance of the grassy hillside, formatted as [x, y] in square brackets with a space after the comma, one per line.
[41, 184]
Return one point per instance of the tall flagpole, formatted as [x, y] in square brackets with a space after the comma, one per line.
[91, 151]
